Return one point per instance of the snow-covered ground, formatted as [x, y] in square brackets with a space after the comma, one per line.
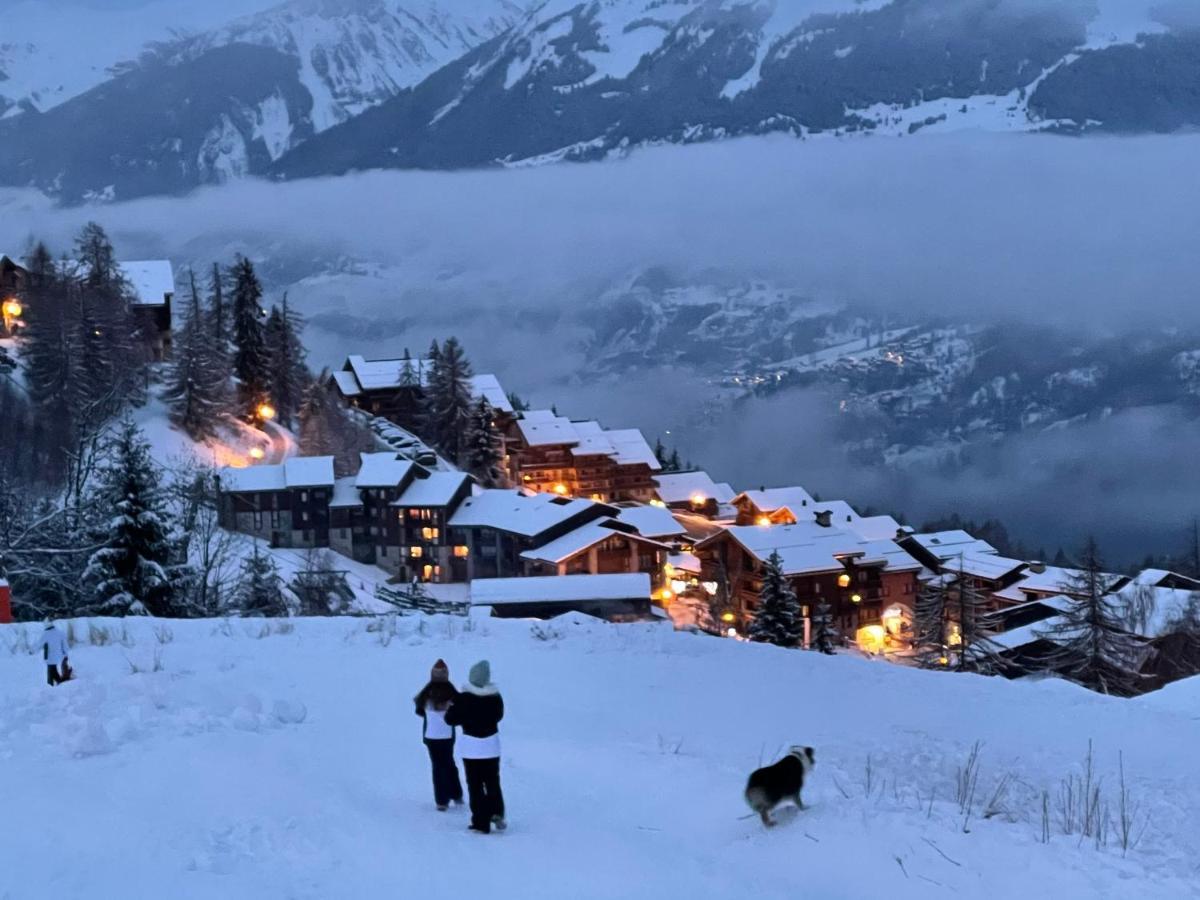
[284, 760]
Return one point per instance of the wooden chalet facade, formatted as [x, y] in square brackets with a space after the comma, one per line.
[615, 598]
[551, 454]
[692, 492]
[870, 586]
[604, 547]
[496, 527]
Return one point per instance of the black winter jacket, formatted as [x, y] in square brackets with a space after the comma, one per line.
[477, 711]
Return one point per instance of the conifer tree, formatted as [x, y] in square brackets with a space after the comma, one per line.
[1095, 650]
[288, 374]
[408, 372]
[483, 447]
[260, 589]
[218, 315]
[975, 648]
[47, 354]
[823, 634]
[321, 589]
[448, 400]
[131, 574]
[197, 384]
[325, 428]
[929, 626]
[777, 620]
[250, 360]
[115, 344]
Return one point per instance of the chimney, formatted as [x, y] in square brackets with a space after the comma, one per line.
[824, 518]
[1037, 566]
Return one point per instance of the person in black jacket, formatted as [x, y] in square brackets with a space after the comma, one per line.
[478, 711]
[432, 703]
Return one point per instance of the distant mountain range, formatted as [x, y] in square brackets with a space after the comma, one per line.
[320, 87]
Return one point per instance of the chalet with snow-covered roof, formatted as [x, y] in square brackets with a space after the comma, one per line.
[693, 492]
[497, 526]
[615, 598]
[603, 547]
[419, 528]
[286, 505]
[870, 585]
[552, 454]
[152, 293]
[394, 389]
[773, 506]
[935, 548]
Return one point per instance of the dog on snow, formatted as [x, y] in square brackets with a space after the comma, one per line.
[784, 780]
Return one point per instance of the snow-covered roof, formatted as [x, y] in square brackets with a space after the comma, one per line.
[559, 589]
[296, 472]
[309, 471]
[682, 487]
[652, 521]
[991, 566]
[632, 448]
[1162, 604]
[360, 374]
[768, 500]
[382, 470]
[945, 544]
[584, 538]
[891, 554]
[517, 512]
[875, 528]
[347, 383]
[345, 494]
[439, 489]
[151, 280]
[543, 431]
[1026, 634]
[685, 562]
[807, 547]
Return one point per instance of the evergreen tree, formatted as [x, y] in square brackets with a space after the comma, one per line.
[116, 346]
[929, 626]
[197, 384]
[288, 374]
[218, 315]
[517, 402]
[674, 465]
[131, 573]
[976, 650]
[260, 589]
[777, 620]
[250, 359]
[483, 448]
[1095, 650]
[660, 453]
[448, 400]
[325, 428]
[408, 372]
[823, 635]
[47, 355]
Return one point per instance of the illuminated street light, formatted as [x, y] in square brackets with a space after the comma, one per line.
[265, 411]
[257, 453]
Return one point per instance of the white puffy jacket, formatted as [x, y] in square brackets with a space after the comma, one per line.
[54, 645]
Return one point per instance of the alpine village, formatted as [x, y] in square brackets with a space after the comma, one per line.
[466, 501]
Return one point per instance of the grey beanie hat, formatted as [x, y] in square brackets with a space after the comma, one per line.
[481, 674]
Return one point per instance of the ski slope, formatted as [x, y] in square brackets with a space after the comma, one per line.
[286, 762]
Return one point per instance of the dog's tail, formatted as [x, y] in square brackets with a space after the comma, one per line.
[757, 799]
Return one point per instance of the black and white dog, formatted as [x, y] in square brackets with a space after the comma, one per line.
[771, 785]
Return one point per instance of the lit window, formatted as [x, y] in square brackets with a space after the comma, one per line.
[416, 552]
[428, 572]
[430, 534]
[462, 551]
[763, 521]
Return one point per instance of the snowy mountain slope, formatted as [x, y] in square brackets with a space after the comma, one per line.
[269, 761]
[582, 80]
[228, 102]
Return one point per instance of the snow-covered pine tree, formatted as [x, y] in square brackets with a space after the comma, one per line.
[288, 374]
[131, 574]
[778, 620]
[929, 626]
[449, 400]
[326, 429]
[250, 360]
[409, 376]
[977, 652]
[483, 447]
[1095, 649]
[118, 344]
[823, 634]
[218, 315]
[320, 588]
[260, 589]
[197, 390]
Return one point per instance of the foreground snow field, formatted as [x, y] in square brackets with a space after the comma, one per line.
[269, 761]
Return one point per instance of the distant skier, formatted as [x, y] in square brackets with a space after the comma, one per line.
[432, 703]
[478, 710]
[54, 652]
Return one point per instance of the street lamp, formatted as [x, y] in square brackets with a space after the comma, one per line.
[257, 453]
[265, 411]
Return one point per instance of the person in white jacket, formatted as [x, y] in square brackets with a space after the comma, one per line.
[54, 652]
[432, 703]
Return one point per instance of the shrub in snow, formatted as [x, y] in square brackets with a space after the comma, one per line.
[260, 592]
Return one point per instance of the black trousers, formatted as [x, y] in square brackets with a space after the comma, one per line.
[483, 783]
[53, 676]
[446, 785]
